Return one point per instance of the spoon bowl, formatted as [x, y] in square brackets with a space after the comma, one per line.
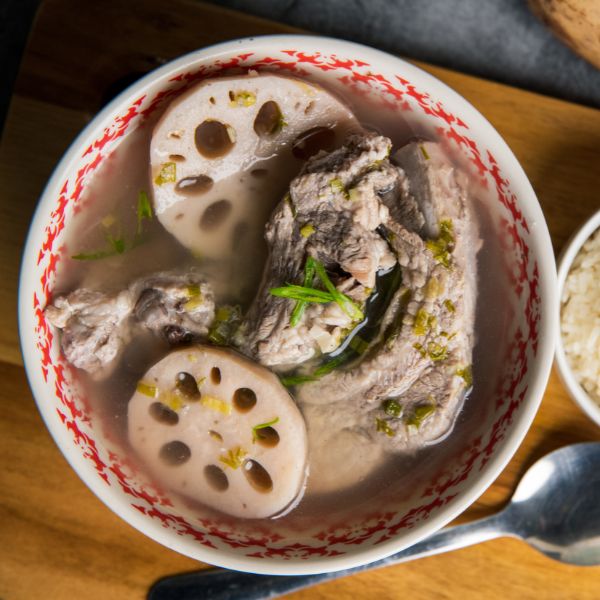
[556, 506]
[555, 509]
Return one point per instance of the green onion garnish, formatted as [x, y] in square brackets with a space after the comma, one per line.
[257, 428]
[144, 211]
[299, 292]
[293, 380]
[342, 300]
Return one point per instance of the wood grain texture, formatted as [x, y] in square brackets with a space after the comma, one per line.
[56, 539]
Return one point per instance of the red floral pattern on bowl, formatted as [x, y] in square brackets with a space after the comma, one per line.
[384, 528]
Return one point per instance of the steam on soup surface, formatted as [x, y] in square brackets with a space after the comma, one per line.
[275, 298]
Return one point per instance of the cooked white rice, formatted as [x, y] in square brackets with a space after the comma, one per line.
[580, 316]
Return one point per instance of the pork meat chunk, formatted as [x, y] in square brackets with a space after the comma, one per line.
[92, 325]
[96, 326]
[332, 213]
[411, 381]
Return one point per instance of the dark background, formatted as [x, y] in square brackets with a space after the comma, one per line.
[495, 39]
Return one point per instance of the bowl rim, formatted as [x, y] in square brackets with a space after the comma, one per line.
[540, 368]
[565, 261]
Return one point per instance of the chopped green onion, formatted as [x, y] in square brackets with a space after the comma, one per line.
[419, 348]
[293, 380]
[168, 174]
[337, 186]
[147, 389]
[298, 292]
[442, 247]
[449, 305]
[216, 404]
[307, 230]
[424, 152]
[342, 300]
[467, 374]
[144, 211]
[233, 458]
[420, 414]
[117, 243]
[392, 408]
[227, 319]
[329, 366]
[382, 425]
[242, 98]
[309, 274]
[436, 351]
[424, 322]
[255, 430]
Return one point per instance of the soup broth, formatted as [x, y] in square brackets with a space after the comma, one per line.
[108, 213]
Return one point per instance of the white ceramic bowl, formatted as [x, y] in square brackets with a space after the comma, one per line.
[406, 514]
[565, 261]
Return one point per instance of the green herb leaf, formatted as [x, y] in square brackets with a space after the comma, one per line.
[307, 230]
[392, 408]
[257, 428]
[309, 275]
[168, 174]
[242, 98]
[443, 246]
[382, 425]
[466, 374]
[298, 292]
[117, 243]
[293, 380]
[329, 366]
[337, 186]
[449, 305]
[144, 211]
[227, 320]
[420, 414]
[233, 458]
[342, 300]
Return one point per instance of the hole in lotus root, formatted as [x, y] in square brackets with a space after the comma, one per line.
[215, 435]
[216, 478]
[244, 399]
[269, 119]
[215, 375]
[311, 141]
[215, 214]
[176, 157]
[257, 476]
[213, 138]
[175, 453]
[163, 414]
[194, 186]
[267, 437]
[186, 385]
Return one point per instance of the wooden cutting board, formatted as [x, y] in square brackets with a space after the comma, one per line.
[57, 540]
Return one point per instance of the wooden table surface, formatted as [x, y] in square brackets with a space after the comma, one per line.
[57, 540]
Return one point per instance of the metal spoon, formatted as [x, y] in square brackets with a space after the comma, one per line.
[555, 509]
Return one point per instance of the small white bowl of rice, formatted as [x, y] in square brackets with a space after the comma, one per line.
[578, 348]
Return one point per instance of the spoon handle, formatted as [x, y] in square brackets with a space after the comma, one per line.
[221, 584]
